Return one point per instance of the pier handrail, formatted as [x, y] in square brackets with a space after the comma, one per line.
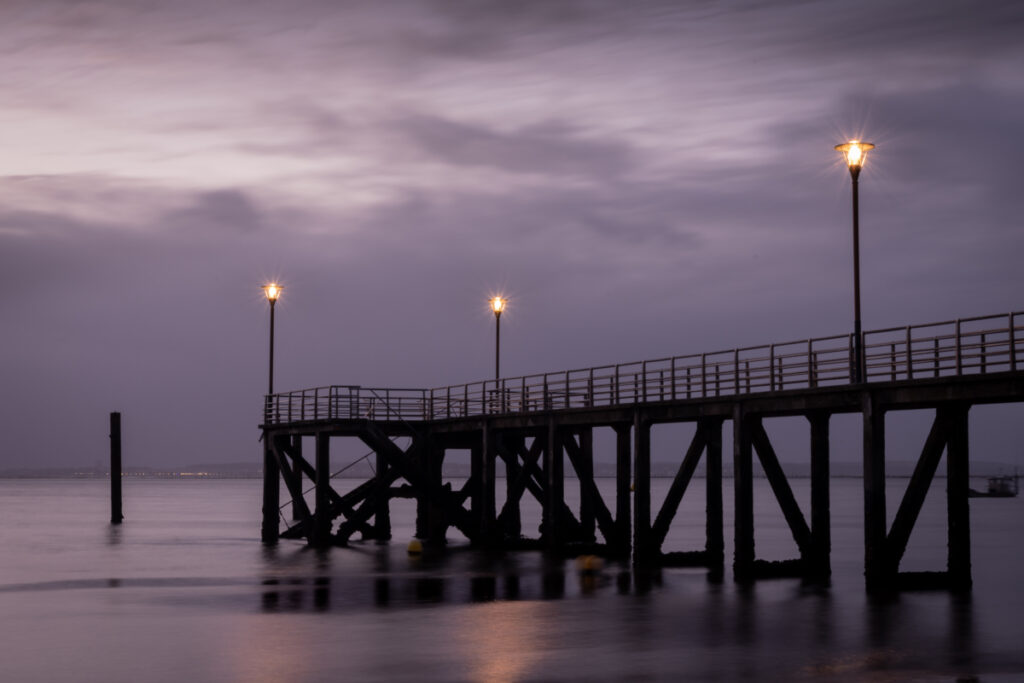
[976, 345]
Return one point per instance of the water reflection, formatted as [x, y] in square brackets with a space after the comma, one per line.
[830, 633]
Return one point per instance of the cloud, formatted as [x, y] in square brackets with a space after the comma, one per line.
[551, 148]
[218, 211]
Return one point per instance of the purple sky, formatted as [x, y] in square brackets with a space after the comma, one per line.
[641, 180]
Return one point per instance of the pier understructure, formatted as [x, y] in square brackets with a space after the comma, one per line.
[537, 426]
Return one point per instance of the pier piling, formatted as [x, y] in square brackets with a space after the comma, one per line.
[116, 516]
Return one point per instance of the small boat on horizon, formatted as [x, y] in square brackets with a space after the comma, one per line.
[1005, 486]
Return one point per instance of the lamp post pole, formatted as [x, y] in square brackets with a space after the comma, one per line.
[271, 466]
[855, 153]
[270, 384]
[858, 351]
[497, 305]
[497, 345]
[273, 292]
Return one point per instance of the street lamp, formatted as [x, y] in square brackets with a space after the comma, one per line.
[497, 305]
[272, 290]
[855, 153]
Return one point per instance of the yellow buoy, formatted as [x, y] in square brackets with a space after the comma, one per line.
[589, 564]
[415, 547]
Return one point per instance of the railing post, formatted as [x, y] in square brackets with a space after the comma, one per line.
[850, 359]
[617, 398]
[1013, 344]
[810, 364]
[746, 373]
[910, 355]
[316, 403]
[959, 361]
[718, 383]
[892, 361]
[736, 371]
[643, 369]
[547, 398]
[703, 375]
[935, 357]
[673, 371]
[689, 391]
[524, 399]
[983, 353]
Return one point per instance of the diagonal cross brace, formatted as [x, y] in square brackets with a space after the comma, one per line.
[780, 486]
[913, 499]
[675, 492]
[403, 464]
[340, 505]
[604, 517]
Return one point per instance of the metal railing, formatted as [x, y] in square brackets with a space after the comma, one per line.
[958, 347]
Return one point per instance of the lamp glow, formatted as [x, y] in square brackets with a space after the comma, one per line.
[498, 305]
[855, 153]
[273, 291]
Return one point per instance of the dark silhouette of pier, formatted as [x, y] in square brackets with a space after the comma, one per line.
[531, 425]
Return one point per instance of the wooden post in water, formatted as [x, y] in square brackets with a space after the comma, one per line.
[714, 544]
[588, 518]
[958, 508]
[743, 484]
[484, 500]
[555, 487]
[879, 573]
[322, 511]
[116, 517]
[623, 495]
[643, 550]
[821, 539]
[270, 530]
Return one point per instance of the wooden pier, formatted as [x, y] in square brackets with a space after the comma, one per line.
[532, 425]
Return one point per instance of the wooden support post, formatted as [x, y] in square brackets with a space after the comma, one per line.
[382, 500]
[322, 512]
[430, 518]
[643, 550]
[271, 493]
[511, 517]
[585, 475]
[878, 571]
[743, 483]
[623, 496]
[555, 489]
[821, 532]
[485, 491]
[714, 544]
[116, 515]
[958, 509]
[296, 451]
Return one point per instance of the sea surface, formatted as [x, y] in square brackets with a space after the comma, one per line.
[183, 591]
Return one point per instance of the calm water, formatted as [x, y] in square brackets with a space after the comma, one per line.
[183, 591]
